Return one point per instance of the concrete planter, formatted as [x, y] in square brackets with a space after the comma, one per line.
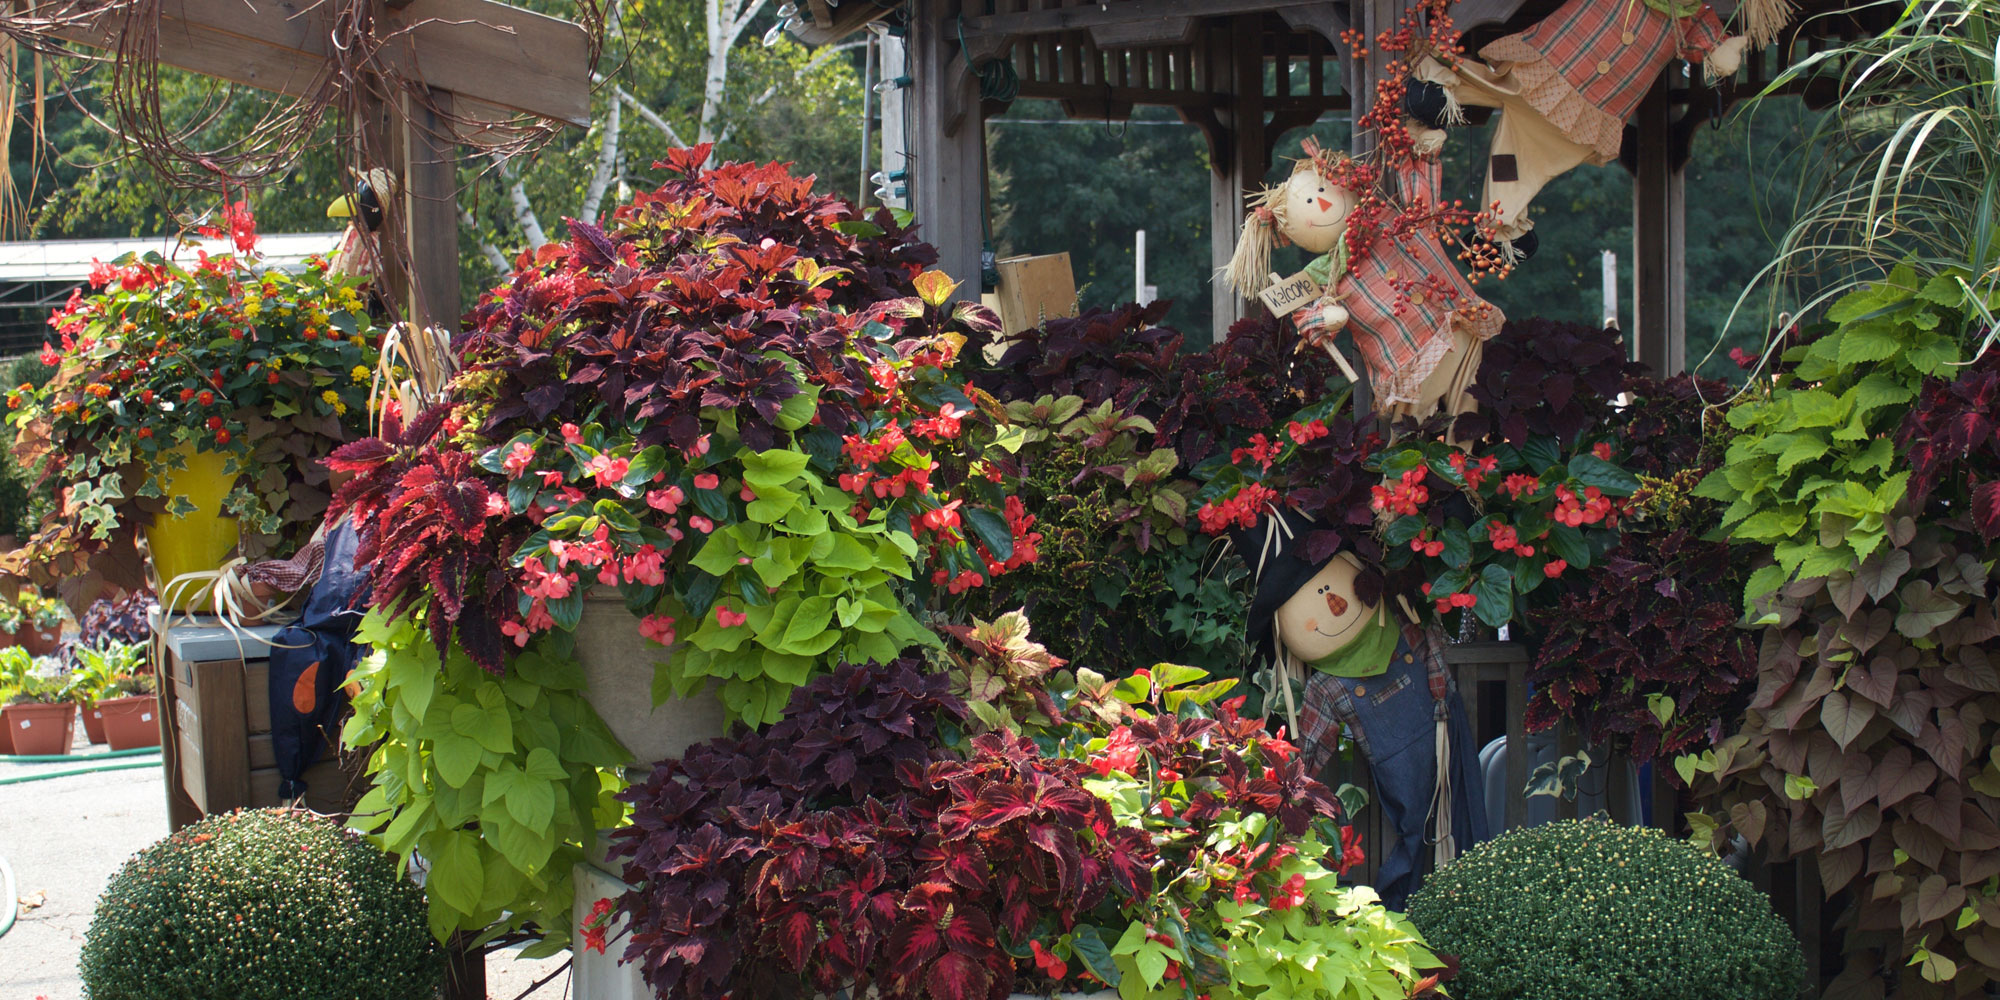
[617, 664]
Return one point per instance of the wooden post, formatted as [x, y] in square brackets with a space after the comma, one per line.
[1659, 237]
[1237, 150]
[430, 213]
[947, 166]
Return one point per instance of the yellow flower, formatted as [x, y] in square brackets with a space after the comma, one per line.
[332, 398]
[359, 340]
[361, 373]
[252, 309]
[340, 409]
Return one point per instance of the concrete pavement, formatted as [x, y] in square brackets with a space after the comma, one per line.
[65, 837]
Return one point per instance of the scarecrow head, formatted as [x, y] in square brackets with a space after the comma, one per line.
[1309, 210]
[1305, 609]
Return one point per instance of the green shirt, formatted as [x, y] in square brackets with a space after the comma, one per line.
[1367, 655]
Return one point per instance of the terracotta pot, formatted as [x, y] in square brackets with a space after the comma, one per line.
[40, 730]
[200, 540]
[6, 733]
[40, 642]
[10, 639]
[617, 664]
[131, 723]
[93, 722]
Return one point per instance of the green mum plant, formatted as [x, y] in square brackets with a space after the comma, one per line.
[261, 905]
[166, 357]
[1591, 909]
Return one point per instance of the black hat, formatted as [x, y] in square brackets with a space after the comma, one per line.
[1277, 544]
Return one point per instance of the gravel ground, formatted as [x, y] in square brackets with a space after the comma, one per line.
[65, 837]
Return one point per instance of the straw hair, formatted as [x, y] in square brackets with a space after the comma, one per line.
[1249, 270]
[1763, 19]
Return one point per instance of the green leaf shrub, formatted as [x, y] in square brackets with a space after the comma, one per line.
[1589, 910]
[500, 783]
[269, 904]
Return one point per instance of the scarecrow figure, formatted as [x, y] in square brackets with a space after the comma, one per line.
[1375, 675]
[1415, 320]
[1566, 87]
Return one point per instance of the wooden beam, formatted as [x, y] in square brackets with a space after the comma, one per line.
[947, 167]
[1140, 34]
[1469, 14]
[1036, 22]
[487, 52]
[1659, 238]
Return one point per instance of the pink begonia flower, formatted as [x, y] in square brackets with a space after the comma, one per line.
[517, 460]
[571, 434]
[659, 628]
[665, 501]
[707, 481]
[729, 619]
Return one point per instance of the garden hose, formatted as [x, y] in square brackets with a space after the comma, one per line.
[123, 765]
[57, 758]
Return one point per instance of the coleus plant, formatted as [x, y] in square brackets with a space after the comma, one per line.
[165, 357]
[1248, 852]
[1107, 507]
[1199, 403]
[756, 448]
[1648, 658]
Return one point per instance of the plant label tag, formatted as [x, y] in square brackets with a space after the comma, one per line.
[1290, 293]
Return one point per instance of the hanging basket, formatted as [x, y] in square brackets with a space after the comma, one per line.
[617, 664]
[199, 540]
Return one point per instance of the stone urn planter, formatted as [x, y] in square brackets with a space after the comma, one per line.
[617, 664]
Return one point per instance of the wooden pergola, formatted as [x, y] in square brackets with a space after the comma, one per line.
[1246, 71]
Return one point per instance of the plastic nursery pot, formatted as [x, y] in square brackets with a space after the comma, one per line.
[40, 730]
[202, 539]
[131, 723]
[40, 642]
[93, 722]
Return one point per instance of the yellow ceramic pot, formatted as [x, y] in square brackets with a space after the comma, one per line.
[203, 538]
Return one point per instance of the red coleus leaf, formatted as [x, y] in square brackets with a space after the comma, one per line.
[958, 977]
[796, 932]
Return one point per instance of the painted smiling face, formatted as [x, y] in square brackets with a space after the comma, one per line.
[1324, 615]
[1314, 209]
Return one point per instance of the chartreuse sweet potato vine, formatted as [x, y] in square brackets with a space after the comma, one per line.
[499, 783]
[1812, 471]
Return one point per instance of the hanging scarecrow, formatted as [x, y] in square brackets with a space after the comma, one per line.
[1566, 87]
[1392, 283]
[1377, 676]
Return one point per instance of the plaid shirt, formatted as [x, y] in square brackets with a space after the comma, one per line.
[1327, 710]
[1403, 298]
[1610, 51]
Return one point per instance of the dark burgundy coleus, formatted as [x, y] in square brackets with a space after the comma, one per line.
[1200, 402]
[1952, 437]
[1543, 377]
[701, 825]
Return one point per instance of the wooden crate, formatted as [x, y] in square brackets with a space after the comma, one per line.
[215, 717]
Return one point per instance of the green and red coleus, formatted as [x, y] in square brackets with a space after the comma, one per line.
[735, 408]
